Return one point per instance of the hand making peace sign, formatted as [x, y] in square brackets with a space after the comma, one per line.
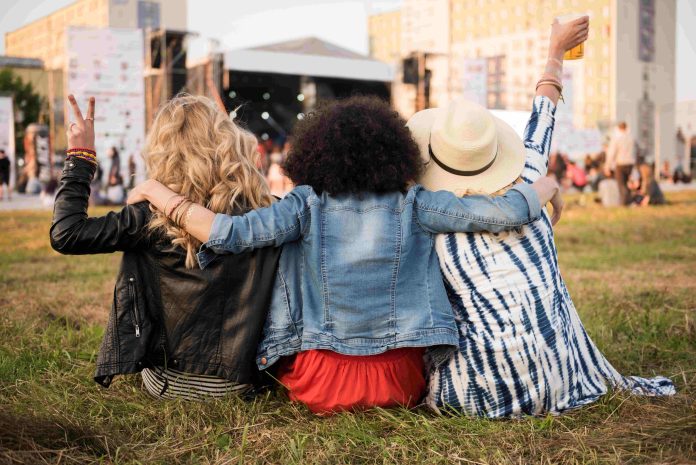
[81, 131]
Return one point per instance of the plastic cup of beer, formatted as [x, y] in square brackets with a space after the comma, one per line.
[578, 51]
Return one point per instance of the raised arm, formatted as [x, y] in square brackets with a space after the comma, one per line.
[72, 231]
[537, 139]
[539, 130]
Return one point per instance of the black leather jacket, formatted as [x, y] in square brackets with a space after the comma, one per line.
[205, 322]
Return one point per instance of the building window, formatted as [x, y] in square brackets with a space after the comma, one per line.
[148, 15]
[495, 97]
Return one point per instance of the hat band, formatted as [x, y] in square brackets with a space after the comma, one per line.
[457, 172]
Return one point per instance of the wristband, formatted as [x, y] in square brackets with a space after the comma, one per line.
[82, 149]
[82, 156]
[552, 82]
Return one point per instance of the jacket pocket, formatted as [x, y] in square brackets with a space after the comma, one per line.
[135, 312]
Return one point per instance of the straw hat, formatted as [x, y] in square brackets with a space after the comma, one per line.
[466, 148]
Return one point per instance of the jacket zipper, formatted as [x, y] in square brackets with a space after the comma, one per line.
[134, 308]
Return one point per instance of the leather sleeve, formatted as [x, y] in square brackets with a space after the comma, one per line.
[74, 233]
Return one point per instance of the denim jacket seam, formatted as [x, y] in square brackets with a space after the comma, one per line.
[254, 240]
[394, 279]
[286, 299]
[420, 225]
[479, 219]
[324, 277]
[362, 210]
[306, 211]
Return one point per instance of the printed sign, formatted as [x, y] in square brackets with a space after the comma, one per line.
[474, 85]
[646, 30]
[108, 64]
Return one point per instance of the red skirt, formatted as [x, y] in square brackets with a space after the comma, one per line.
[329, 382]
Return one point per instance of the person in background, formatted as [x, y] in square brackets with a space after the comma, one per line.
[287, 146]
[665, 172]
[4, 176]
[95, 186]
[557, 166]
[262, 159]
[649, 192]
[115, 193]
[576, 175]
[680, 175]
[278, 182]
[621, 158]
[132, 168]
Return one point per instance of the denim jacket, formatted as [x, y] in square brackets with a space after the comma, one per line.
[359, 274]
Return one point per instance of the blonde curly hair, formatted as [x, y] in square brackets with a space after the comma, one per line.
[197, 151]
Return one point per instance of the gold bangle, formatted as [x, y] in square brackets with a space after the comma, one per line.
[187, 217]
[181, 212]
[554, 83]
[550, 82]
[173, 214]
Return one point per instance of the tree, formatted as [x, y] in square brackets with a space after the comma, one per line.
[27, 103]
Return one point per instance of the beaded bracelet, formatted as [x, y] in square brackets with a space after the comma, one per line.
[82, 149]
[88, 157]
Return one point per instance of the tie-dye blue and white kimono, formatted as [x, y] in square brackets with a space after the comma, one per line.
[522, 346]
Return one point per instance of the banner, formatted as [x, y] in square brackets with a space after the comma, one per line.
[7, 134]
[646, 30]
[108, 64]
[474, 77]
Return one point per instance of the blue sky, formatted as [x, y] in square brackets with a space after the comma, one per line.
[243, 23]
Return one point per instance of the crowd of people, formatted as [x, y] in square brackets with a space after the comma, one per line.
[619, 175]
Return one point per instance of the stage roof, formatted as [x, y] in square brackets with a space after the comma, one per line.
[308, 57]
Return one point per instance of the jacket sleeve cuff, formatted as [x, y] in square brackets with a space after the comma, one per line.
[78, 167]
[532, 199]
[219, 231]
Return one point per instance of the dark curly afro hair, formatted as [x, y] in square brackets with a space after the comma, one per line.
[355, 145]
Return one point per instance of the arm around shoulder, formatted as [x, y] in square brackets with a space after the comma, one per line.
[442, 212]
[283, 221]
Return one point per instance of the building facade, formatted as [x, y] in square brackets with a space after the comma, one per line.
[385, 36]
[45, 39]
[627, 73]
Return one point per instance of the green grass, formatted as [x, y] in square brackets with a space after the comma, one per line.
[632, 275]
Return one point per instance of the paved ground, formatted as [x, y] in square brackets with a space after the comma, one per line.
[23, 202]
